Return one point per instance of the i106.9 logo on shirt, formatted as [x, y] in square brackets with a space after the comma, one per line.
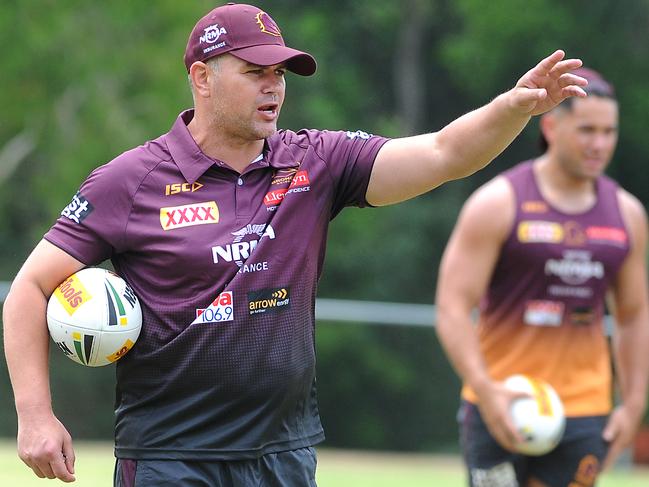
[220, 310]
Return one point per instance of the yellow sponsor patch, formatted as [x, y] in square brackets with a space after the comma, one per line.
[534, 207]
[587, 471]
[71, 294]
[114, 357]
[542, 398]
[172, 217]
[537, 231]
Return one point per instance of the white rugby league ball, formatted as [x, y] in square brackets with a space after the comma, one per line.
[94, 317]
[539, 419]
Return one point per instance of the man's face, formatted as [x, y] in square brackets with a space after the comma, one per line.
[584, 136]
[246, 98]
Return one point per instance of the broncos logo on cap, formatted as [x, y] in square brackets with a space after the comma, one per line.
[267, 25]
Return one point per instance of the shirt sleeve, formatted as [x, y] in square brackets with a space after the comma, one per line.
[349, 157]
[91, 227]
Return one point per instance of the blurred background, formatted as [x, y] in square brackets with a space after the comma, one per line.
[83, 81]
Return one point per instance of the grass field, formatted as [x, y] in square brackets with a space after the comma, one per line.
[336, 468]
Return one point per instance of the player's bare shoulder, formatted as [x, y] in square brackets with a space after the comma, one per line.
[630, 204]
[491, 208]
[634, 214]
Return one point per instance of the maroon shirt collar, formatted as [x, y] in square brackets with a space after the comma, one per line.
[192, 162]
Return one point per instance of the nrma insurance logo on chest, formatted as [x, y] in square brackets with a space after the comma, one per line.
[244, 242]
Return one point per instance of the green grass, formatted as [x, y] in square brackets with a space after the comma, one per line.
[336, 468]
[94, 467]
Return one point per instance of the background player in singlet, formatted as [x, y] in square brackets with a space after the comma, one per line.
[537, 249]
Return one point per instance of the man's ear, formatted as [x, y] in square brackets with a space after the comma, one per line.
[200, 74]
[547, 125]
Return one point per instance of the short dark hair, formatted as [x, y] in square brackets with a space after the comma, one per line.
[597, 86]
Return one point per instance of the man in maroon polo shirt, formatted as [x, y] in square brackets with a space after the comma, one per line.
[220, 227]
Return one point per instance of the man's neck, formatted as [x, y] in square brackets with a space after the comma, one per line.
[562, 190]
[236, 153]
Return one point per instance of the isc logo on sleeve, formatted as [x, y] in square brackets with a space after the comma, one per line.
[189, 215]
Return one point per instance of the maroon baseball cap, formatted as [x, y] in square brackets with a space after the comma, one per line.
[248, 33]
[597, 85]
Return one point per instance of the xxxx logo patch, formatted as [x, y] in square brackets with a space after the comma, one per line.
[189, 215]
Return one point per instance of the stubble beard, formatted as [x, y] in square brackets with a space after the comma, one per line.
[246, 129]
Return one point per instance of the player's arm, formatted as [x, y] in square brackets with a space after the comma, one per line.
[410, 166]
[42, 439]
[465, 271]
[631, 339]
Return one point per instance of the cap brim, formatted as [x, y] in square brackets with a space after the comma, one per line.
[268, 54]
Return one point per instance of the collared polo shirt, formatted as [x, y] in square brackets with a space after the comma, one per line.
[225, 266]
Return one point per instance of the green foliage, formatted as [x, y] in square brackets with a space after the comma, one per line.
[499, 38]
[497, 41]
[391, 383]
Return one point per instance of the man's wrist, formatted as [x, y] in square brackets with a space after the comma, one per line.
[636, 406]
[510, 104]
[481, 384]
[33, 408]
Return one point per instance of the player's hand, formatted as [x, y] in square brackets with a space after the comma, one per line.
[547, 84]
[494, 403]
[46, 446]
[619, 432]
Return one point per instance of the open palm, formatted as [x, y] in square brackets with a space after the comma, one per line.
[547, 84]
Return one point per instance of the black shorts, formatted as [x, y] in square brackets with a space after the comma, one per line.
[576, 459]
[294, 468]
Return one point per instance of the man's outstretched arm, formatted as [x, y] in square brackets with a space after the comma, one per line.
[409, 166]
